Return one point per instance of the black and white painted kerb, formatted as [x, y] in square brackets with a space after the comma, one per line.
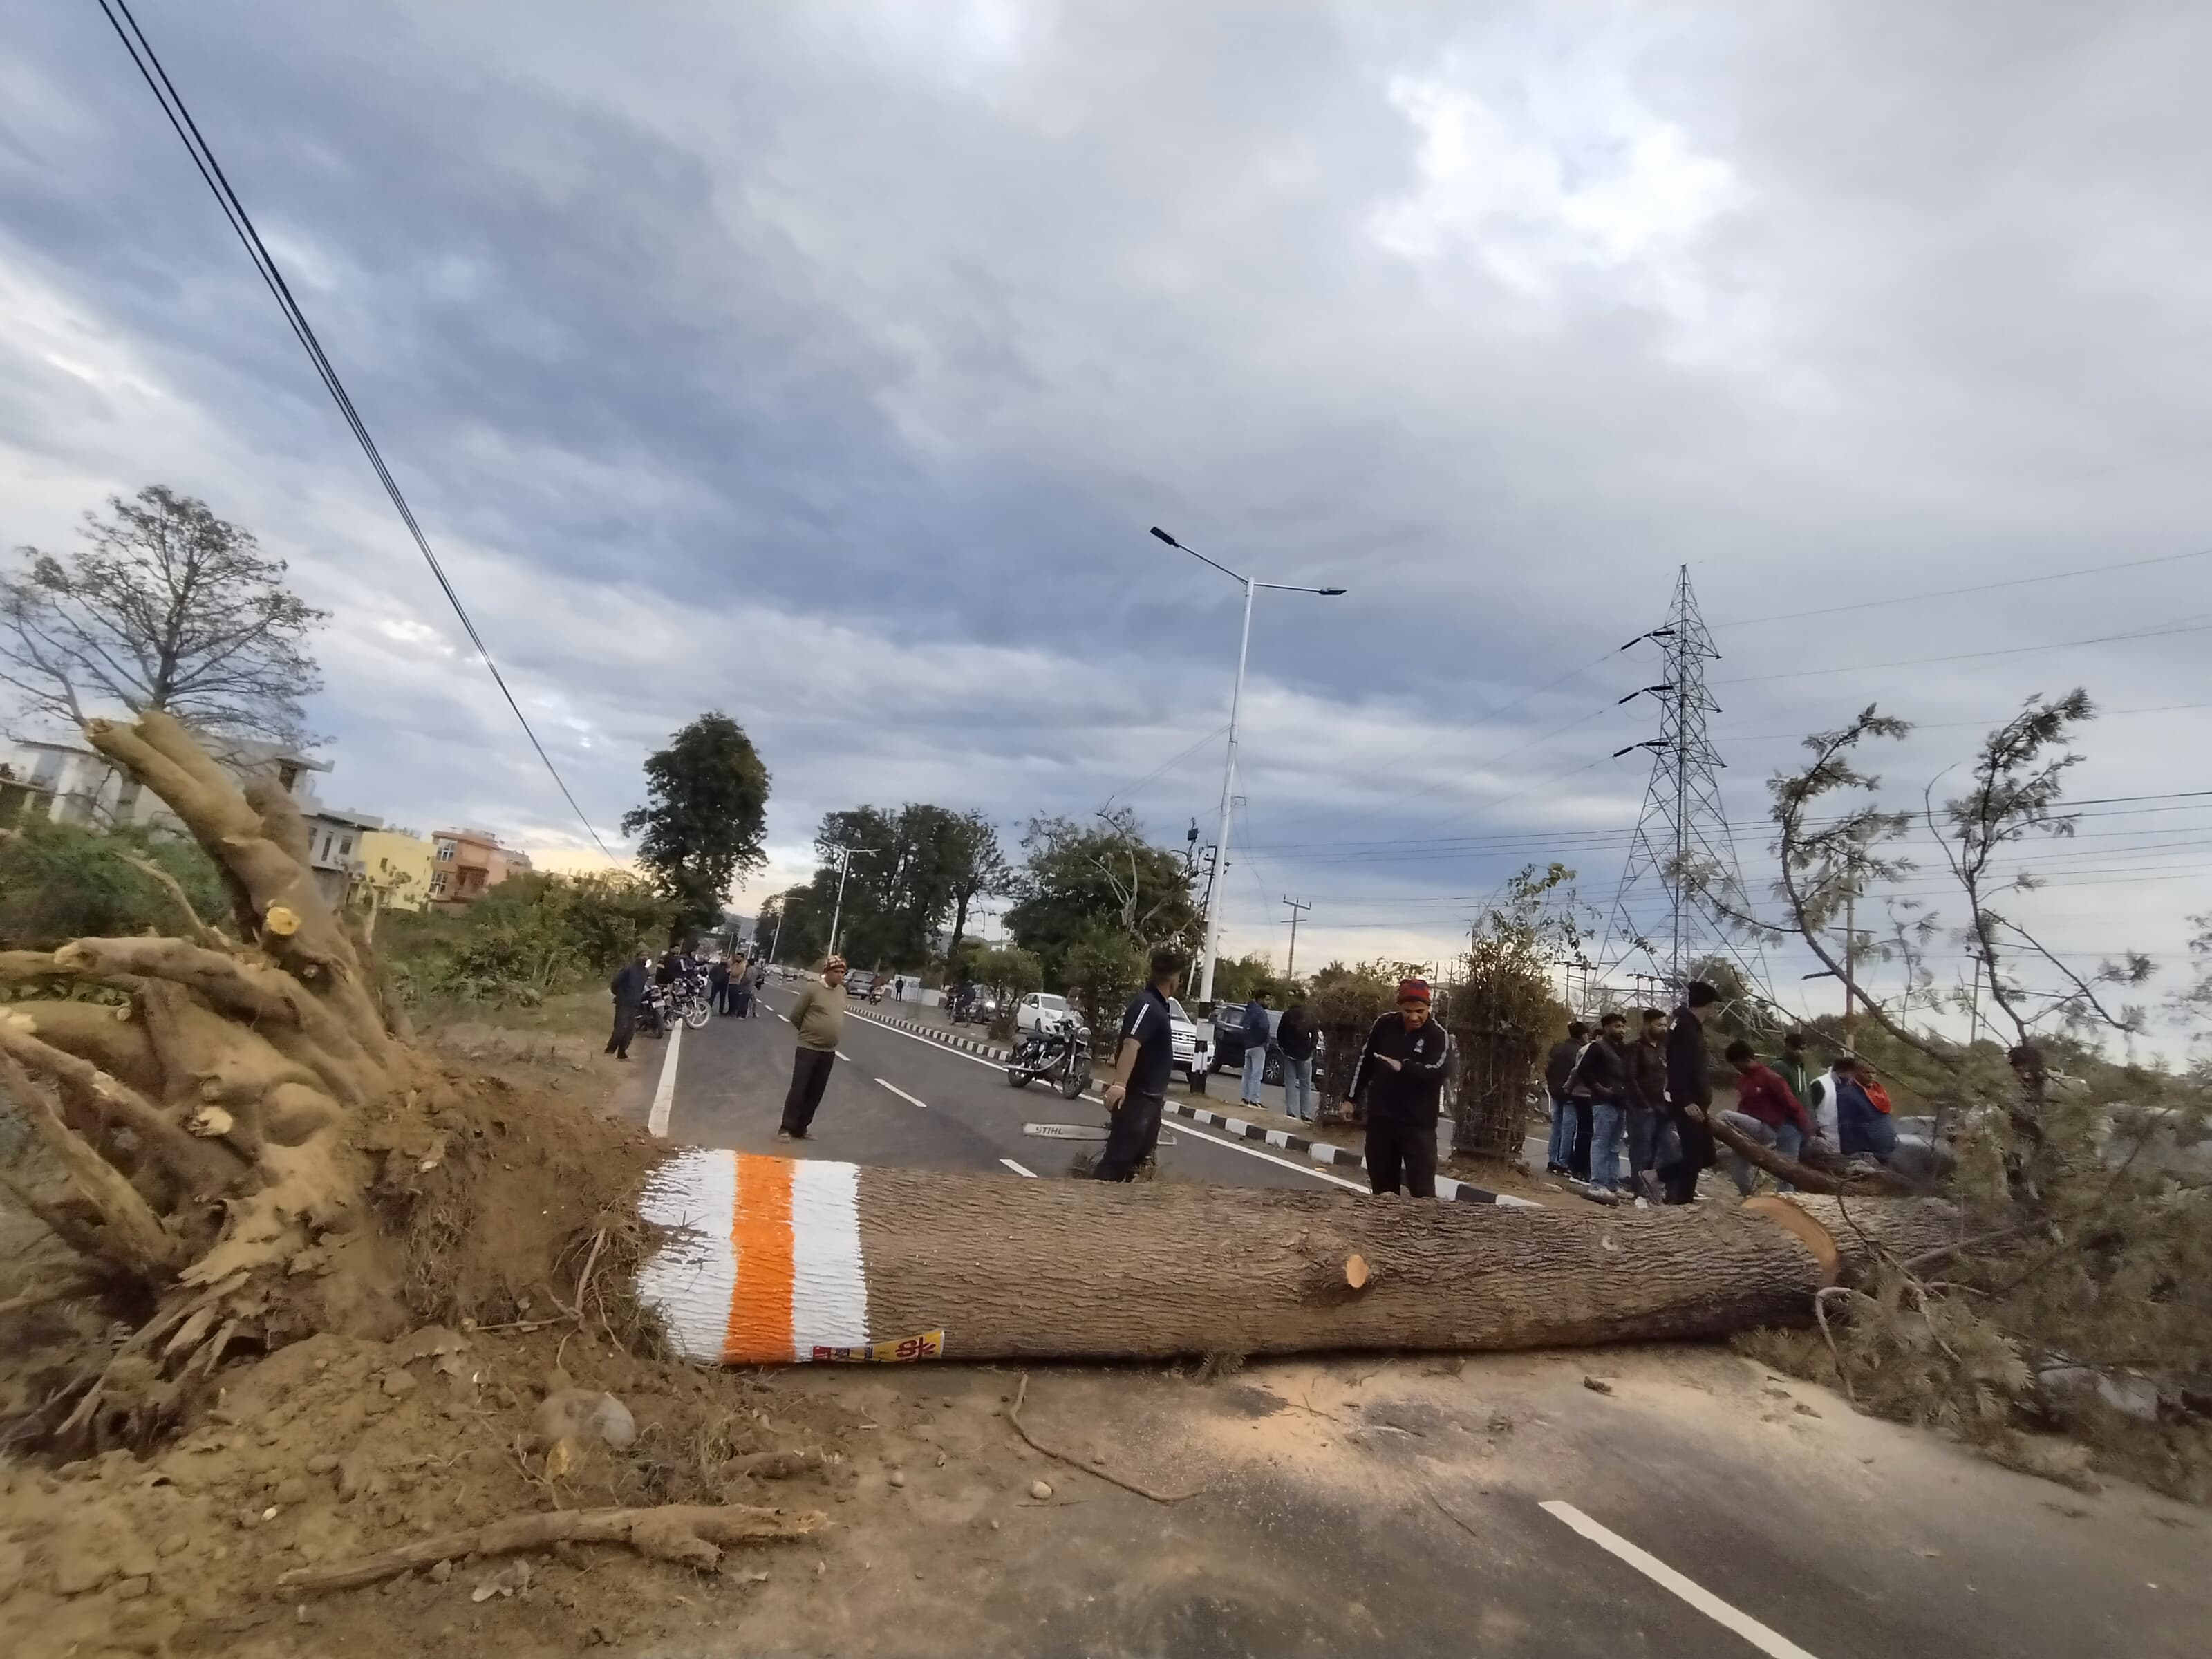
[1320, 1151]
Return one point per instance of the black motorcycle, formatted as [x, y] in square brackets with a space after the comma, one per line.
[1061, 1051]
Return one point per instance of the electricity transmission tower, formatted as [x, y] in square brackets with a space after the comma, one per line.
[1683, 857]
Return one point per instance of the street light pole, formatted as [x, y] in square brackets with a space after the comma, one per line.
[844, 869]
[1229, 761]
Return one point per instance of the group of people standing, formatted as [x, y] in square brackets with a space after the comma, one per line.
[1631, 1118]
[732, 987]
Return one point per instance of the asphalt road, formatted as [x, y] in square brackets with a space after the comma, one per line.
[1494, 1505]
[900, 1100]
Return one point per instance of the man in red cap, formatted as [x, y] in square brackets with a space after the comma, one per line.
[1402, 1070]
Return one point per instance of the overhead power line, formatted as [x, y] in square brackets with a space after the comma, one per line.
[272, 277]
[1972, 588]
[1969, 656]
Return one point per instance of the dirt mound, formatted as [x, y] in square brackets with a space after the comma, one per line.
[337, 1447]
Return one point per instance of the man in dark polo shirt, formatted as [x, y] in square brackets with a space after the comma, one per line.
[1139, 1092]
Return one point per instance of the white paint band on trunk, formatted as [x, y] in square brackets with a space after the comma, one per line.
[829, 1284]
[688, 1280]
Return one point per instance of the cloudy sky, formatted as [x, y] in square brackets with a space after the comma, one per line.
[826, 363]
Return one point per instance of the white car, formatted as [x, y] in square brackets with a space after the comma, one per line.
[1038, 1008]
[1189, 1058]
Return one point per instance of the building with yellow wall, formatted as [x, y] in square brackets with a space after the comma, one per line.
[398, 866]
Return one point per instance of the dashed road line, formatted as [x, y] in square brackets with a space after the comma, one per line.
[1766, 1641]
[1018, 1168]
[900, 1092]
[664, 1090]
[1235, 1146]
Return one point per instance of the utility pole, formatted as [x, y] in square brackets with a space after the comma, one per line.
[1850, 958]
[1298, 907]
[844, 855]
[775, 942]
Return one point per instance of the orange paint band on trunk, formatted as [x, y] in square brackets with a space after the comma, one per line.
[759, 1331]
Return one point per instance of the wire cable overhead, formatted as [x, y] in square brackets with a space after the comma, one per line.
[172, 104]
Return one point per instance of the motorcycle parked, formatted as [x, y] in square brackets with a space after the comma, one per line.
[1060, 1051]
[690, 1002]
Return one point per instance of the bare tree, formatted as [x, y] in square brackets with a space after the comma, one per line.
[165, 607]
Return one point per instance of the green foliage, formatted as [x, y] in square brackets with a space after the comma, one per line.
[706, 811]
[1343, 1005]
[1239, 979]
[60, 881]
[1105, 969]
[1010, 972]
[911, 872]
[1076, 875]
[1504, 1015]
[529, 936]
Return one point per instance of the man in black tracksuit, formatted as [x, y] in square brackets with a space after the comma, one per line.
[627, 989]
[1689, 1087]
[1142, 1059]
[1402, 1071]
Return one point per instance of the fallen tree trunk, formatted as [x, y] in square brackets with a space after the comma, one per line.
[776, 1261]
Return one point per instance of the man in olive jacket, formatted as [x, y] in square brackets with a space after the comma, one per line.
[817, 1019]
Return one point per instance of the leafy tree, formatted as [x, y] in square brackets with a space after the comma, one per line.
[1078, 873]
[1239, 979]
[910, 869]
[706, 808]
[1011, 973]
[1104, 968]
[974, 867]
[166, 606]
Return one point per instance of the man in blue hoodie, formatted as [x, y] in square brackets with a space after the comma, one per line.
[1257, 1035]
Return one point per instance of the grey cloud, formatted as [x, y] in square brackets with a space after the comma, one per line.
[804, 362]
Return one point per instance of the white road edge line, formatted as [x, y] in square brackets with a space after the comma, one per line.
[902, 1094]
[1301, 1167]
[664, 1090]
[1766, 1641]
[1018, 1168]
[1291, 1164]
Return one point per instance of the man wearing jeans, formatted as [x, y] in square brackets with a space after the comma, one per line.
[1767, 1111]
[1295, 1042]
[1558, 1078]
[1257, 1035]
[1604, 1073]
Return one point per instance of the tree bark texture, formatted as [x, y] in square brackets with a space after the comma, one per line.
[779, 1261]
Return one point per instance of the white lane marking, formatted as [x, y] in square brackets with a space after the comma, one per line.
[828, 1285]
[664, 1092]
[1766, 1641]
[1018, 1168]
[902, 1093]
[1181, 1129]
[1254, 1152]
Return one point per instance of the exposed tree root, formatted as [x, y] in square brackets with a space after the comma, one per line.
[1014, 1417]
[691, 1534]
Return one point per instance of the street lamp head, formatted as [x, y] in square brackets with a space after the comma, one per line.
[1164, 537]
[1330, 593]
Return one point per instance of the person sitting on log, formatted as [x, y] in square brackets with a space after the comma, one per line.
[1767, 1110]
